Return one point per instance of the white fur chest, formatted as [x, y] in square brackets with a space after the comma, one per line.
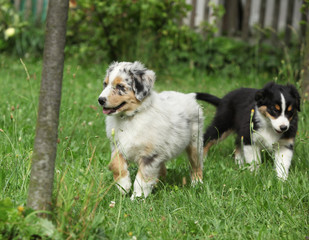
[265, 136]
[126, 137]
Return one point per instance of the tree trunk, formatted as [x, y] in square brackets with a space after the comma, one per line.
[302, 32]
[45, 143]
[262, 13]
[219, 21]
[289, 21]
[231, 17]
[206, 11]
[193, 14]
[275, 20]
[245, 23]
[305, 77]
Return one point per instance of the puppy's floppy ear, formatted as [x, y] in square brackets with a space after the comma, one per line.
[261, 95]
[294, 93]
[143, 80]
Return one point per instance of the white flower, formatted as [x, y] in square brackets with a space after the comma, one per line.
[112, 204]
[10, 32]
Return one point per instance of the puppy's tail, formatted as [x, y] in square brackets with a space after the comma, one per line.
[208, 98]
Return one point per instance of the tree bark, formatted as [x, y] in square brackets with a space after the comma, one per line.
[305, 77]
[245, 23]
[275, 20]
[193, 14]
[231, 17]
[289, 22]
[219, 21]
[302, 32]
[262, 13]
[45, 143]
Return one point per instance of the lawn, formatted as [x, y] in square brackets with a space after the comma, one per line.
[232, 203]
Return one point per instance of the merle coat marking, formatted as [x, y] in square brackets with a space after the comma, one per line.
[149, 128]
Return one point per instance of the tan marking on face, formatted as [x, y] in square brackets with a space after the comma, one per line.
[270, 116]
[288, 140]
[115, 100]
[263, 110]
[196, 168]
[118, 166]
[106, 81]
[290, 108]
[277, 107]
[117, 80]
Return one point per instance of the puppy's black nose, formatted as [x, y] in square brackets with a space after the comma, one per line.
[102, 100]
[283, 127]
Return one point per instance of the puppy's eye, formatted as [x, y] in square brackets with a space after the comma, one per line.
[289, 108]
[104, 84]
[120, 87]
[276, 108]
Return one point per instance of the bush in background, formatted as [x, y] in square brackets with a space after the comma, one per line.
[147, 30]
[140, 29]
[18, 35]
[152, 31]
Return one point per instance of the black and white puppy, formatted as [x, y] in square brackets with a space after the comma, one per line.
[265, 118]
[147, 127]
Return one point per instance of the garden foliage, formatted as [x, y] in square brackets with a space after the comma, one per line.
[147, 30]
[23, 223]
[19, 35]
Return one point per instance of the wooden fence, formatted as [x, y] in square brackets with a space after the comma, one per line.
[242, 18]
[34, 10]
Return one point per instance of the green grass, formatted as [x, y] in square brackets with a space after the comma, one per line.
[232, 203]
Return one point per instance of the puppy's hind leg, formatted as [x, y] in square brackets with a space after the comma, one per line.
[195, 155]
[195, 151]
[213, 134]
[219, 129]
[119, 167]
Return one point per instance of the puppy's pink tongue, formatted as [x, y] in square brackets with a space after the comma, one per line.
[107, 111]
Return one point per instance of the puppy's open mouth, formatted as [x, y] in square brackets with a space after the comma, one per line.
[112, 110]
[280, 131]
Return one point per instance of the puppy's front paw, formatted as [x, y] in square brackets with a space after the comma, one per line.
[136, 196]
[282, 176]
[196, 181]
[253, 166]
[124, 184]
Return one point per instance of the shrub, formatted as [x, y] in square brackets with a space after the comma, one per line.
[18, 35]
[22, 223]
[140, 29]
